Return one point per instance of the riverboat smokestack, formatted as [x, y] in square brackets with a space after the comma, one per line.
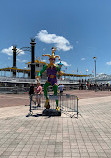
[32, 58]
[14, 61]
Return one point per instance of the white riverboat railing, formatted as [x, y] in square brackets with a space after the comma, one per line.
[26, 80]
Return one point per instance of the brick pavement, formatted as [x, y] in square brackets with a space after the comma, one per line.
[89, 136]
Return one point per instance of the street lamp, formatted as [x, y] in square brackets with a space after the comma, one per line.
[95, 69]
[86, 74]
[86, 71]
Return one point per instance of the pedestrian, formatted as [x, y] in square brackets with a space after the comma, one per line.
[60, 87]
[39, 93]
[32, 92]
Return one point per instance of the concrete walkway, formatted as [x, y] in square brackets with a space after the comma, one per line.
[89, 136]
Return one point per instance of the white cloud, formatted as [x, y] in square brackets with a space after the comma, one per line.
[22, 61]
[64, 63]
[108, 63]
[43, 60]
[9, 51]
[60, 42]
[83, 59]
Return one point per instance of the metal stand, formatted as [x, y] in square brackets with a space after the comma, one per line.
[30, 108]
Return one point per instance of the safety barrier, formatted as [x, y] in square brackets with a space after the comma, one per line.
[68, 104]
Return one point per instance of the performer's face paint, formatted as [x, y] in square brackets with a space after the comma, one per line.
[60, 66]
[52, 61]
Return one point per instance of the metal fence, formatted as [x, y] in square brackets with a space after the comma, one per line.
[68, 105]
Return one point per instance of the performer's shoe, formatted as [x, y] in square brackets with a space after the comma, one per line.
[57, 108]
[47, 105]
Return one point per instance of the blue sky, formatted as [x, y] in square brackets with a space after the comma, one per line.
[80, 29]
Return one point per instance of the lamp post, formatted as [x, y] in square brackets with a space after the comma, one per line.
[86, 73]
[95, 70]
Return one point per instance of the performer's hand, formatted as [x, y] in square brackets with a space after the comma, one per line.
[38, 78]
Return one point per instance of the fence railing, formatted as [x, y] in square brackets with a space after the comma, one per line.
[28, 80]
[68, 104]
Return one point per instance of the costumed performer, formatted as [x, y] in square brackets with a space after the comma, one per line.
[52, 71]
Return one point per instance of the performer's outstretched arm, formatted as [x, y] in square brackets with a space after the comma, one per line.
[58, 69]
[44, 68]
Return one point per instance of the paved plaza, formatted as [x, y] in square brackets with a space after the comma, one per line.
[89, 136]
